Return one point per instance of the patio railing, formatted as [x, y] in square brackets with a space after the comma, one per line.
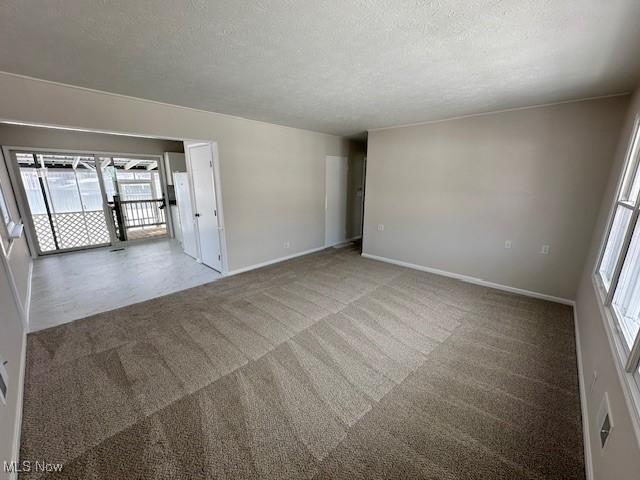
[138, 218]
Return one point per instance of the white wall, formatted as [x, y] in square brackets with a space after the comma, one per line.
[272, 179]
[14, 277]
[620, 459]
[272, 176]
[12, 348]
[450, 193]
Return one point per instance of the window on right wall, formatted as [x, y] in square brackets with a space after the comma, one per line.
[618, 269]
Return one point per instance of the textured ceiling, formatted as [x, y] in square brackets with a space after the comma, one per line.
[335, 66]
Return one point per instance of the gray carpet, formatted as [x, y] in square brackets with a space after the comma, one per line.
[326, 366]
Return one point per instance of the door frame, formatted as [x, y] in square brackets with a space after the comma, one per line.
[345, 158]
[23, 203]
[217, 182]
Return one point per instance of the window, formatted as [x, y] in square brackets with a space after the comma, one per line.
[10, 227]
[618, 270]
[5, 210]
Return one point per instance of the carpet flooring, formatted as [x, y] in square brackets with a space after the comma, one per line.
[326, 366]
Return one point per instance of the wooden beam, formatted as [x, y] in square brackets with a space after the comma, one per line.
[152, 166]
[76, 160]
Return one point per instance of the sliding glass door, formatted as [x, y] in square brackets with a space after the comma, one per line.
[65, 200]
[134, 192]
[79, 201]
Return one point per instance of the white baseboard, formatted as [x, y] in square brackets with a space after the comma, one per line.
[271, 262]
[17, 428]
[474, 280]
[586, 435]
[588, 465]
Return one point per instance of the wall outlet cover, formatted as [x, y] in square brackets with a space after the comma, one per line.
[604, 421]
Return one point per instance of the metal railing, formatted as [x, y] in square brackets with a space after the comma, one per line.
[137, 214]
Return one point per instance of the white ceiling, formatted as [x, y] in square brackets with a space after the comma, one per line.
[337, 66]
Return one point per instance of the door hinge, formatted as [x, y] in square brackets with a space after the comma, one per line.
[215, 213]
[219, 257]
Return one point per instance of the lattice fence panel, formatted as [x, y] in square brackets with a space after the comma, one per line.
[43, 232]
[97, 227]
[70, 230]
[75, 229]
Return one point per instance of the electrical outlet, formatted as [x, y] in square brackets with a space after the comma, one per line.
[380, 227]
[507, 244]
[287, 244]
[545, 250]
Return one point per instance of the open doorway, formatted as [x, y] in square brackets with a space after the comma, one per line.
[344, 196]
[102, 219]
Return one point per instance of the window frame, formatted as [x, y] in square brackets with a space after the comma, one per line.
[627, 359]
[12, 229]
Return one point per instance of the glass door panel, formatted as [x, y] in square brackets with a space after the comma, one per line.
[134, 195]
[65, 200]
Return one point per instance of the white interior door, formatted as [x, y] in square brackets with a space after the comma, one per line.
[337, 169]
[200, 158]
[187, 226]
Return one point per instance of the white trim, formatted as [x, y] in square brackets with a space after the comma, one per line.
[271, 262]
[27, 304]
[630, 388]
[17, 429]
[505, 110]
[14, 289]
[584, 409]
[474, 280]
[23, 317]
[217, 186]
[217, 181]
[138, 99]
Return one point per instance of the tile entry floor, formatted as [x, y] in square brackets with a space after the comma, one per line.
[70, 286]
